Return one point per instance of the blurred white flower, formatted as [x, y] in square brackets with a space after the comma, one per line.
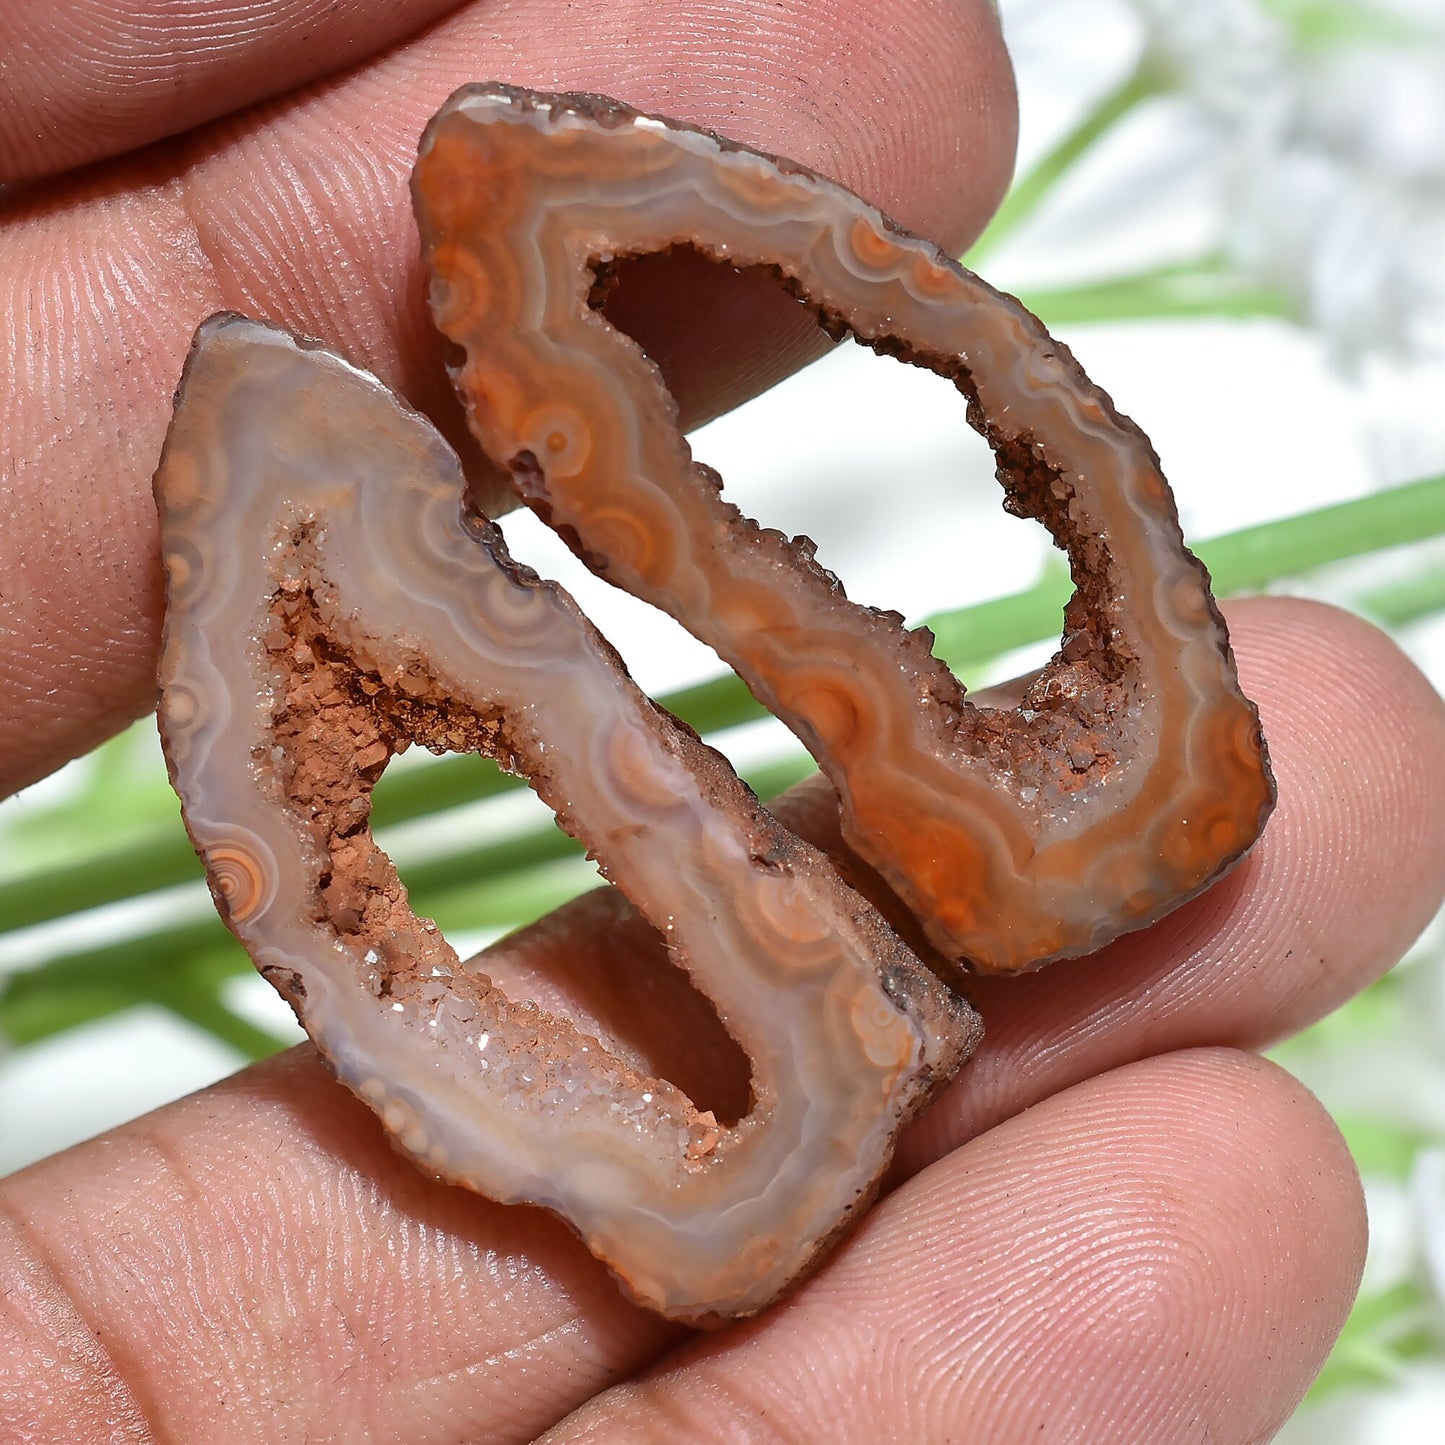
[1329, 155]
[1227, 54]
[1336, 195]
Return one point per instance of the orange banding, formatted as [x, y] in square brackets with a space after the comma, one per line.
[1142, 719]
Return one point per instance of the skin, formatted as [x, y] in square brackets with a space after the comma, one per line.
[1119, 1224]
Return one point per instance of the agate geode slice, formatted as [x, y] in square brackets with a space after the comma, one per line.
[331, 599]
[328, 603]
[1132, 774]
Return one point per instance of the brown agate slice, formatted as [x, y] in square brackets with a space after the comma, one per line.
[1132, 774]
[326, 604]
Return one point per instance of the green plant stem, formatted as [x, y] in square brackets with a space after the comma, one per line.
[1242, 561]
[202, 1007]
[1202, 288]
[162, 857]
[487, 885]
[965, 639]
[1416, 595]
[1324, 25]
[470, 888]
[187, 959]
[1256, 556]
[510, 900]
[28, 1015]
[1029, 191]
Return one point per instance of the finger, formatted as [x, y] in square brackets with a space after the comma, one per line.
[254, 1263]
[95, 78]
[312, 1144]
[1162, 1254]
[1350, 868]
[599, 963]
[298, 212]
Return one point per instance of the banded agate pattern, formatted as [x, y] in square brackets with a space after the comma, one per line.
[332, 598]
[1133, 773]
[328, 602]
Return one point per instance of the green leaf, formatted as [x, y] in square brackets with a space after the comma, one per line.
[1383, 1333]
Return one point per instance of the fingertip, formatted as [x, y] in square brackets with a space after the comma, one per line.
[296, 210]
[920, 118]
[1216, 1235]
[1357, 735]
[264, 1235]
[1349, 869]
[1162, 1254]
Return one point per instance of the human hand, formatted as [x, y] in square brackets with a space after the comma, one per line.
[297, 210]
[1162, 1249]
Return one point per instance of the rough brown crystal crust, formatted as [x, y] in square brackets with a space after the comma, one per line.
[327, 603]
[1132, 774]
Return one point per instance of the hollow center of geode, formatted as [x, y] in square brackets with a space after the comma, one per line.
[337, 723]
